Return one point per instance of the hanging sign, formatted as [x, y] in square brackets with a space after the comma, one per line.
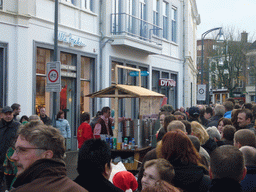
[136, 73]
[201, 92]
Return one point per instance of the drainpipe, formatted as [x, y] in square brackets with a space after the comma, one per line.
[183, 52]
[101, 54]
[102, 45]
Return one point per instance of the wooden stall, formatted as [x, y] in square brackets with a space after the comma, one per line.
[149, 103]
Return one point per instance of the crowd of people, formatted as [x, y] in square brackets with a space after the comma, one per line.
[203, 148]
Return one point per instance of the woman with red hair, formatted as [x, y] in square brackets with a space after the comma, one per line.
[190, 174]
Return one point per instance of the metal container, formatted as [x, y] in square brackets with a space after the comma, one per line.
[146, 132]
[138, 132]
[128, 129]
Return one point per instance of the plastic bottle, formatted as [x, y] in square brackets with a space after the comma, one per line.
[114, 143]
[133, 144]
[125, 143]
[111, 143]
[107, 140]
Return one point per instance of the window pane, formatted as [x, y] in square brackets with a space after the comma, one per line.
[43, 57]
[174, 24]
[84, 101]
[85, 68]
[164, 8]
[42, 97]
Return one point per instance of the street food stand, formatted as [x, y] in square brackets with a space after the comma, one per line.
[149, 103]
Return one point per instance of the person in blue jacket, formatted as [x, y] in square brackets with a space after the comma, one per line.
[229, 106]
[63, 125]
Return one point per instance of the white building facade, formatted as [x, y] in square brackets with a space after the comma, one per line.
[157, 36]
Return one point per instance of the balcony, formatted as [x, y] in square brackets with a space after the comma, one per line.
[130, 31]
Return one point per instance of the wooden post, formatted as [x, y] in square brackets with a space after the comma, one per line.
[116, 114]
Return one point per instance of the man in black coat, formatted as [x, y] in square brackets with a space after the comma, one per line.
[227, 169]
[94, 167]
[8, 129]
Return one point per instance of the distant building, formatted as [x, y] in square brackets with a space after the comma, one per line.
[217, 92]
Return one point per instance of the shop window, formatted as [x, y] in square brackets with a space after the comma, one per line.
[155, 81]
[42, 97]
[3, 74]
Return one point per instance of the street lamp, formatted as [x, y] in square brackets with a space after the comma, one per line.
[220, 34]
[202, 50]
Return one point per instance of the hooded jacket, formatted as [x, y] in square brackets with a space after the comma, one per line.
[191, 178]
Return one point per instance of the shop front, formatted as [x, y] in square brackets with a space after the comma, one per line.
[77, 79]
[165, 82]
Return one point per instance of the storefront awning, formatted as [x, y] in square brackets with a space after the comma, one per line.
[124, 91]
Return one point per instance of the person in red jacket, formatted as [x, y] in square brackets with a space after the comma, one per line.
[84, 131]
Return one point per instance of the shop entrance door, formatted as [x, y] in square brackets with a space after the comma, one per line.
[67, 104]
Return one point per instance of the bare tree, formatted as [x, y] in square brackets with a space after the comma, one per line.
[229, 61]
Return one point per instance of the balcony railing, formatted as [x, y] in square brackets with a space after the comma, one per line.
[124, 24]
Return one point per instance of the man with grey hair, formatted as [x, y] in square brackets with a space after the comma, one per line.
[219, 112]
[39, 153]
[176, 124]
[248, 183]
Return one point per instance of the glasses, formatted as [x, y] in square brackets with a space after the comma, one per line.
[20, 150]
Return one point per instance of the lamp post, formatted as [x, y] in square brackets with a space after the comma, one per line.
[202, 53]
[55, 58]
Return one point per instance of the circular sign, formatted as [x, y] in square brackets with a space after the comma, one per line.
[53, 75]
[201, 91]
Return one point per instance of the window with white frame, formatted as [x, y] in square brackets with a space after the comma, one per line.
[130, 12]
[71, 1]
[155, 16]
[174, 24]
[165, 19]
[87, 4]
[1, 4]
[116, 26]
[142, 17]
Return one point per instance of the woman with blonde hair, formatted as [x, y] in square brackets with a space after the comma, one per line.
[199, 131]
[205, 141]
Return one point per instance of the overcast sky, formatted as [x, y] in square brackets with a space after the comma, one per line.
[237, 14]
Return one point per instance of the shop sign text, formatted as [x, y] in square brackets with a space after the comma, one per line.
[70, 39]
[167, 83]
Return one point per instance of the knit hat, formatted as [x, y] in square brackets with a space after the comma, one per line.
[193, 111]
[125, 180]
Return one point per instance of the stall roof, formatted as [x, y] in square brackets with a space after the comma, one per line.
[125, 91]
